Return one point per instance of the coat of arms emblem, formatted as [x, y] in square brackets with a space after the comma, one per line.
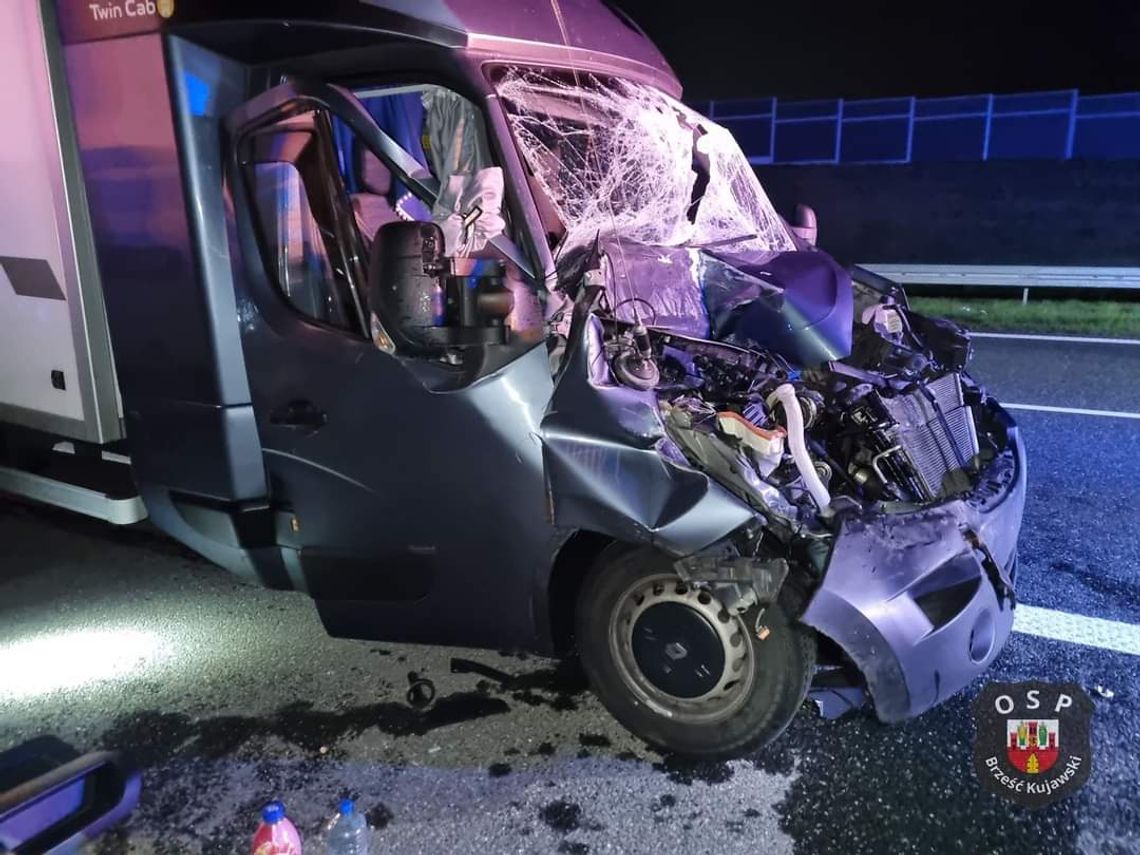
[1032, 741]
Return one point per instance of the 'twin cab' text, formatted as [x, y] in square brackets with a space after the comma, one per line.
[129, 9]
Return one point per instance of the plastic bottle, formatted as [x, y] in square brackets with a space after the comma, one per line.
[347, 832]
[276, 835]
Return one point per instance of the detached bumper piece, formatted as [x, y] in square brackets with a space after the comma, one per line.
[922, 601]
[53, 800]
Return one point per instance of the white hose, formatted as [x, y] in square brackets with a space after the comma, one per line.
[786, 396]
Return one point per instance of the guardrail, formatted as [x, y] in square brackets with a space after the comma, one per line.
[997, 276]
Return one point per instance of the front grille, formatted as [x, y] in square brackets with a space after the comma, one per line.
[940, 448]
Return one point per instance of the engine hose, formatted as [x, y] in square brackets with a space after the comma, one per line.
[785, 395]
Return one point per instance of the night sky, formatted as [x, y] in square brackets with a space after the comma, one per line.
[871, 48]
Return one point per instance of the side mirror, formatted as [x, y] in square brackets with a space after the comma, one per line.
[53, 800]
[405, 289]
[426, 304]
[806, 227]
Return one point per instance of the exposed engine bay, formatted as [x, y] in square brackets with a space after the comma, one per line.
[896, 425]
[862, 430]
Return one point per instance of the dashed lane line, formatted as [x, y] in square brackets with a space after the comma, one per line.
[1077, 339]
[1073, 411]
[1077, 629]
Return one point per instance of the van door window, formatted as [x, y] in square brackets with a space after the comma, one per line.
[309, 244]
[294, 246]
[321, 187]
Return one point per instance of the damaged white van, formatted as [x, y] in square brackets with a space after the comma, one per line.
[452, 316]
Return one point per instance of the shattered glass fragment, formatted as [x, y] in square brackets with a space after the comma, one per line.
[621, 159]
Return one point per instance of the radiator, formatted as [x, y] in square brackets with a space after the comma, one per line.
[939, 448]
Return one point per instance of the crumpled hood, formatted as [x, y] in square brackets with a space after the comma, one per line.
[798, 304]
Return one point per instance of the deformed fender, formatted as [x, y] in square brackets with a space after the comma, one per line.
[610, 468]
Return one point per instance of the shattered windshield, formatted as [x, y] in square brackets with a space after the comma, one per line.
[617, 158]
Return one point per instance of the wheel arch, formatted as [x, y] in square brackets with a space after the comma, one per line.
[576, 557]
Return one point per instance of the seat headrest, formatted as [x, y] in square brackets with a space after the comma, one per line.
[374, 175]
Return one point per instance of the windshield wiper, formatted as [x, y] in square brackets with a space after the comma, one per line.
[726, 241]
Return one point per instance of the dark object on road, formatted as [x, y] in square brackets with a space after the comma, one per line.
[378, 816]
[562, 815]
[460, 665]
[52, 799]
[421, 691]
[560, 378]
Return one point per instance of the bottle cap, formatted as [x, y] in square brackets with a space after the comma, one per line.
[346, 807]
[273, 812]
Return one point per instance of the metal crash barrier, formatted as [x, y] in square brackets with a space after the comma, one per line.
[1006, 276]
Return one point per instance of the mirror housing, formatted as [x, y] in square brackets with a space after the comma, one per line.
[806, 226]
[51, 799]
[427, 303]
[405, 292]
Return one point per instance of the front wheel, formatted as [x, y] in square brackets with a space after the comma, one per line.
[673, 666]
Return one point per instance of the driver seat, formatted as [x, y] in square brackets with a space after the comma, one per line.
[371, 206]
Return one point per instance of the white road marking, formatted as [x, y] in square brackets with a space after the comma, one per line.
[1078, 339]
[1077, 629]
[1072, 411]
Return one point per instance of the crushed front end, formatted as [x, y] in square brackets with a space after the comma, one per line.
[875, 479]
[728, 395]
[921, 599]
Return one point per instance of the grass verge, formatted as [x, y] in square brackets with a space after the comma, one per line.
[1072, 317]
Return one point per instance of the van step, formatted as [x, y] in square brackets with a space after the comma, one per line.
[117, 508]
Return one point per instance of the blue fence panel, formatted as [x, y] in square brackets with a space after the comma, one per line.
[793, 110]
[754, 136]
[807, 131]
[1108, 126]
[961, 138]
[1099, 105]
[878, 141]
[1027, 137]
[877, 108]
[748, 107]
[957, 105]
[806, 141]
[1107, 137]
[876, 131]
[1031, 125]
[1035, 102]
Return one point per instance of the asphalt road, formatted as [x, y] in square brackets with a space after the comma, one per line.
[1061, 374]
[230, 695]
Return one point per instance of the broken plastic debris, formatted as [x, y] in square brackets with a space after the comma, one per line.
[835, 702]
[421, 691]
[1104, 692]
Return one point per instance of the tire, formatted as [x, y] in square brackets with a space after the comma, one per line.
[669, 703]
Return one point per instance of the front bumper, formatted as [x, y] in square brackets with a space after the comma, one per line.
[922, 601]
